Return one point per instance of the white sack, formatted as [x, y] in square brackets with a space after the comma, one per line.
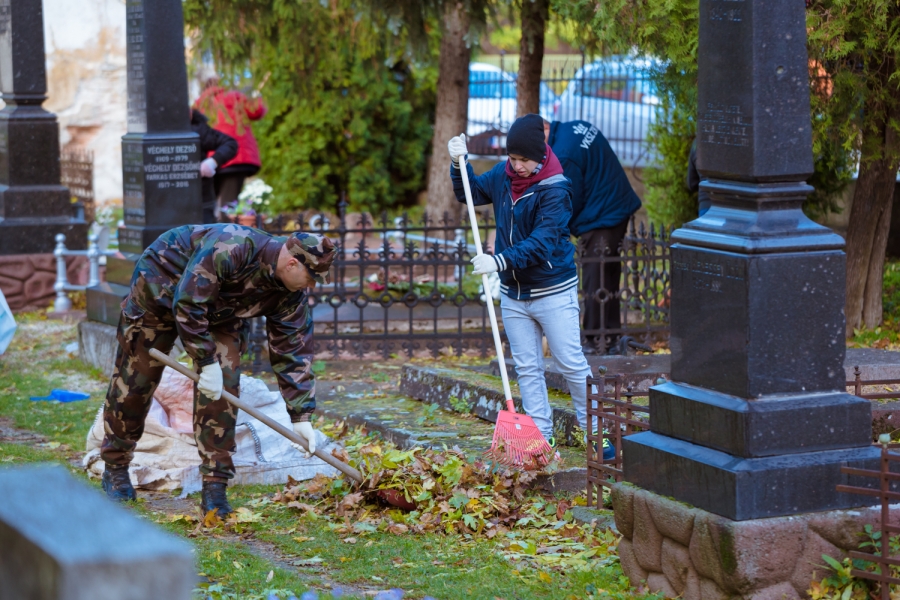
[166, 456]
[7, 324]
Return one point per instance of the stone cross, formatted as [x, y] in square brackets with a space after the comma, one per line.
[34, 207]
[756, 421]
[160, 153]
[62, 540]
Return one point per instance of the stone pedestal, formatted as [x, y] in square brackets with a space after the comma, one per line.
[27, 280]
[677, 549]
[756, 421]
[34, 207]
[160, 154]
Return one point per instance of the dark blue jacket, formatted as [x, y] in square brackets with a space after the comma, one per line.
[532, 249]
[601, 193]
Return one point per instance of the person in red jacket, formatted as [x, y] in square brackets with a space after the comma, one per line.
[231, 112]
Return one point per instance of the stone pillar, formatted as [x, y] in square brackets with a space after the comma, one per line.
[34, 207]
[160, 153]
[756, 421]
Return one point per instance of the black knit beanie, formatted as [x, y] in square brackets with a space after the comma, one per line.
[526, 138]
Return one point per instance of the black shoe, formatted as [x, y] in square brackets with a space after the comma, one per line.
[214, 497]
[117, 484]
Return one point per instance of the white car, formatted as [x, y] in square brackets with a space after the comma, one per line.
[492, 99]
[617, 96]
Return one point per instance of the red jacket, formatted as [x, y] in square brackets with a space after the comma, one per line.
[231, 112]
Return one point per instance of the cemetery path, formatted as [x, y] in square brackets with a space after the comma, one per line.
[171, 506]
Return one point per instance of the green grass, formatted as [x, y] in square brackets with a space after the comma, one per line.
[37, 362]
[887, 336]
[231, 561]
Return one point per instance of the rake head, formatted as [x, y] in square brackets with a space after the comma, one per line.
[518, 443]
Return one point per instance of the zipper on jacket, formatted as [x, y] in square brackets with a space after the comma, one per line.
[512, 225]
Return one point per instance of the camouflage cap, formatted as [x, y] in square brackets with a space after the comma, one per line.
[315, 251]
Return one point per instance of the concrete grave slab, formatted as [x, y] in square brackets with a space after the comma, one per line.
[62, 540]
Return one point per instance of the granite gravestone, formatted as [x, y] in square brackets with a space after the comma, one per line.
[34, 207]
[755, 421]
[160, 154]
[62, 540]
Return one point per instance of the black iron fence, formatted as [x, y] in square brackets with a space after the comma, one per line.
[405, 288]
[617, 95]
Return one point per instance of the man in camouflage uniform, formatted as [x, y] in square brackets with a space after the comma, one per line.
[201, 283]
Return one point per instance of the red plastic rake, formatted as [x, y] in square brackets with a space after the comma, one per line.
[517, 442]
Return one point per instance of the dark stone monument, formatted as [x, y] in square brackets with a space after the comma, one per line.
[755, 421]
[160, 153]
[34, 207]
[74, 544]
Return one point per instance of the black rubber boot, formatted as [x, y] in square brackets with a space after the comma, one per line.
[214, 497]
[117, 484]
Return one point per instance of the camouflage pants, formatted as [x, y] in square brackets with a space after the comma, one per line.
[136, 377]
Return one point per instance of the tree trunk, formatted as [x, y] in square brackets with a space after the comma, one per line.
[531, 56]
[451, 112]
[870, 218]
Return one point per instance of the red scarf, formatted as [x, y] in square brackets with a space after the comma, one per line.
[549, 168]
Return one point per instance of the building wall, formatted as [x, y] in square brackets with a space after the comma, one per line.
[86, 86]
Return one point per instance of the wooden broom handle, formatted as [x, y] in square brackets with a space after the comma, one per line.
[288, 433]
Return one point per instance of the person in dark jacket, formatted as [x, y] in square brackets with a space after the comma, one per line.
[201, 283]
[223, 148]
[602, 204]
[535, 261]
[704, 202]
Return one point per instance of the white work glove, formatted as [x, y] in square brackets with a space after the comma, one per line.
[457, 147]
[484, 264]
[210, 384]
[305, 430]
[208, 167]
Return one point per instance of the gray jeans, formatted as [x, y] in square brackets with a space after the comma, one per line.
[556, 316]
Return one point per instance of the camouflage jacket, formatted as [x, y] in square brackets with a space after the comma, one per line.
[205, 275]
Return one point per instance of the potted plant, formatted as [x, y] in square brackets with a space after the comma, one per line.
[252, 201]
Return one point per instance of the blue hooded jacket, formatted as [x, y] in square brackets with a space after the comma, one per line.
[532, 249]
[602, 196]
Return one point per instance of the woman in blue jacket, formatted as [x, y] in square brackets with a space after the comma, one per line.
[535, 261]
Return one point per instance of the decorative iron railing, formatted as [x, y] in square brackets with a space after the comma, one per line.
[400, 287]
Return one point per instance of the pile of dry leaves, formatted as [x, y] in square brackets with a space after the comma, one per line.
[446, 492]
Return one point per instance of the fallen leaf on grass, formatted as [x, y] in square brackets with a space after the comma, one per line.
[308, 562]
[545, 577]
[303, 538]
[185, 518]
[218, 555]
[341, 455]
[237, 565]
[301, 506]
[349, 540]
[398, 528]
[212, 519]
[270, 576]
[245, 515]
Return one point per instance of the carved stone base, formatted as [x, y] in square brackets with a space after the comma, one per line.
[27, 279]
[679, 550]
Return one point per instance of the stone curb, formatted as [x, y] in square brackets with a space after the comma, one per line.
[481, 397]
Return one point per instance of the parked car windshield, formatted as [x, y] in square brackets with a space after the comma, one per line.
[491, 84]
